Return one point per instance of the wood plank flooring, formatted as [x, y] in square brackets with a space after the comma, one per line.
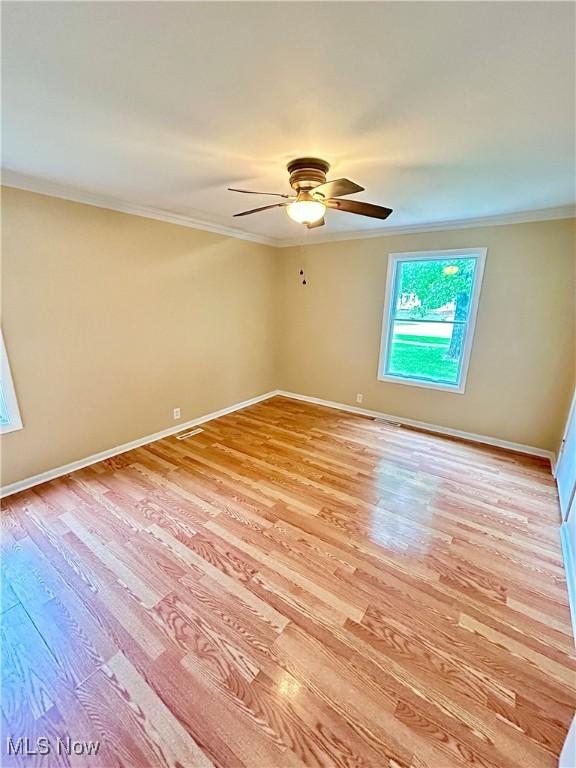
[293, 586]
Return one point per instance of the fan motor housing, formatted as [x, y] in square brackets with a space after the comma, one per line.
[307, 172]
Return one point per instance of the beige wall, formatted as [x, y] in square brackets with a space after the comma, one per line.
[521, 372]
[112, 320]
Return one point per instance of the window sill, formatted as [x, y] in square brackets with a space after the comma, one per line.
[457, 389]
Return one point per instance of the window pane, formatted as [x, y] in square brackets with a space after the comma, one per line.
[434, 289]
[9, 414]
[4, 416]
[424, 350]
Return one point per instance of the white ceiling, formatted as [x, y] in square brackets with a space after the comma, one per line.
[442, 111]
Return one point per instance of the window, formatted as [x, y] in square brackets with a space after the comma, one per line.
[9, 413]
[429, 316]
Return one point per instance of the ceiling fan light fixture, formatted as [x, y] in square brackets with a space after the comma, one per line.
[306, 211]
[313, 194]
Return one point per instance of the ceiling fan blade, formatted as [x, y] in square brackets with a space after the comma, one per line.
[362, 209]
[319, 223]
[337, 188]
[263, 208]
[250, 192]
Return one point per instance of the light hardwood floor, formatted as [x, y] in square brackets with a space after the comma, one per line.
[294, 586]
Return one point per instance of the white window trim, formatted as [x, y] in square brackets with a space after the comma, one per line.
[393, 258]
[9, 393]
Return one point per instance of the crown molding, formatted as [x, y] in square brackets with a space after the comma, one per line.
[521, 217]
[52, 189]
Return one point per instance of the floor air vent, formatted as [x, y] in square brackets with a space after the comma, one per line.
[388, 421]
[189, 433]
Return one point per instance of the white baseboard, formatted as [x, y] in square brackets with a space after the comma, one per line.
[65, 469]
[570, 568]
[472, 437]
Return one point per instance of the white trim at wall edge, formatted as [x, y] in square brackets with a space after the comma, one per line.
[40, 187]
[53, 189]
[65, 469]
[564, 433]
[570, 570]
[52, 474]
[470, 436]
[520, 217]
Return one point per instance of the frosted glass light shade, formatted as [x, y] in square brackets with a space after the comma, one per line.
[306, 211]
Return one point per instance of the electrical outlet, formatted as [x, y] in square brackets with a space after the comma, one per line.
[176, 413]
[359, 397]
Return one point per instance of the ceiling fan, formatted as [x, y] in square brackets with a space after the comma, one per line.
[314, 194]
